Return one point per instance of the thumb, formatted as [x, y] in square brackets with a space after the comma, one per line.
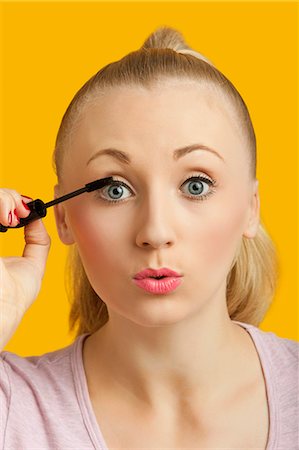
[37, 245]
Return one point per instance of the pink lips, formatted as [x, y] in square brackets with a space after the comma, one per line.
[145, 280]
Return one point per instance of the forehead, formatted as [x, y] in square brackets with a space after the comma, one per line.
[167, 115]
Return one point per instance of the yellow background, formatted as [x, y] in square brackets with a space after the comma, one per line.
[50, 49]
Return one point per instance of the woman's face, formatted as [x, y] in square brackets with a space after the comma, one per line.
[159, 219]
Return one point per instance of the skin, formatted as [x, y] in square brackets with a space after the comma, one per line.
[166, 353]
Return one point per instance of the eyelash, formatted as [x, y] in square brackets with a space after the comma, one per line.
[210, 181]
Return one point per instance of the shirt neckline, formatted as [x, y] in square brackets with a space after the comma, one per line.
[82, 392]
[89, 417]
[270, 382]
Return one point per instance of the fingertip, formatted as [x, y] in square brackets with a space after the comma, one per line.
[26, 199]
[25, 205]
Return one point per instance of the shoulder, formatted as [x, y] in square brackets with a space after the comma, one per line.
[279, 348]
[43, 379]
[38, 393]
[30, 372]
[12, 361]
[279, 355]
[279, 358]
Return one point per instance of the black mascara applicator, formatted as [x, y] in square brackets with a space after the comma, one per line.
[39, 209]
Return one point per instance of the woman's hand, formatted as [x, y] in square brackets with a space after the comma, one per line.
[20, 276]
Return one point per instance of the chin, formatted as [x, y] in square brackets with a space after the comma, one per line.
[161, 315]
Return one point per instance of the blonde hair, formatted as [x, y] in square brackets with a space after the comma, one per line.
[251, 281]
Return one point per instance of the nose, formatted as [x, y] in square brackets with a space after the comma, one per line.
[155, 223]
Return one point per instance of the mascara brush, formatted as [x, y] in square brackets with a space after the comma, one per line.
[39, 209]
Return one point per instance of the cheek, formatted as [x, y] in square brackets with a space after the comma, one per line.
[96, 235]
[100, 236]
[220, 238]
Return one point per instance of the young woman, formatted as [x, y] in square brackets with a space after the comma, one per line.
[174, 362]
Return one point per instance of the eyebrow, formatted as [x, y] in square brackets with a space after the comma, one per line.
[124, 157]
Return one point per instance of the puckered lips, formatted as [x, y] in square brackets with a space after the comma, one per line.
[158, 281]
[156, 273]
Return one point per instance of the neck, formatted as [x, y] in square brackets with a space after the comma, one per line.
[197, 355]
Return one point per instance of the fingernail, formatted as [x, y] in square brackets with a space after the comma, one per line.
[16, 216]
[9, 218]
[26, 196]
[25, 206]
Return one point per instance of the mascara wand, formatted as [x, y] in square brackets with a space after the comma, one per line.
[39, 209]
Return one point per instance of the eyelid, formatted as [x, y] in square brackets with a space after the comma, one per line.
[196, 173]
[204, 176]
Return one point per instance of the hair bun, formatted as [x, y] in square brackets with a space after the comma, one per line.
[167, 37]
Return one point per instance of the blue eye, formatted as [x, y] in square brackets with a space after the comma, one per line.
[199, 188]
[115, 189]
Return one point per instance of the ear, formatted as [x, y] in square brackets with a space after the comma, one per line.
[63, 228]
[253, 219]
